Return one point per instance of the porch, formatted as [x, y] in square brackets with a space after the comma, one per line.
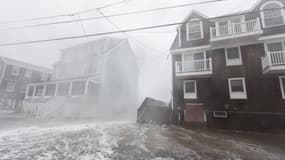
[273, 62]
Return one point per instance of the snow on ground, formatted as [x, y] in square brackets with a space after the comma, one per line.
[94, 140]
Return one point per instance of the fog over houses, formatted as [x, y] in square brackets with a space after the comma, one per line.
[97, 78]
[142, 80]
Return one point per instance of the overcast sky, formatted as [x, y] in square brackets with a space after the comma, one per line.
[155, 73]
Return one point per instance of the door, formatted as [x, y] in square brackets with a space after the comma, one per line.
[223, 28]
[194, 113]
[236, 26]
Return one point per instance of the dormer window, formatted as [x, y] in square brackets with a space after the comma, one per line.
[272, 14]
[194, 30]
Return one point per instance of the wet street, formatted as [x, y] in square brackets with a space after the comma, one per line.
[85, 140]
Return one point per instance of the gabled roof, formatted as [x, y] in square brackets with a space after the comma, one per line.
[25, 65]
[194, 12]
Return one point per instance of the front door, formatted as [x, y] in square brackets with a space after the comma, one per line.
[194, 113]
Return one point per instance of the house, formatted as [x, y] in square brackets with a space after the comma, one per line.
[14, 76]
[153, 111]
[96, 78]
[229, 71]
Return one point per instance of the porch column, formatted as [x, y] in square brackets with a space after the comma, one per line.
[70, 88]
[27, 91]
[56, 89]
[34, 90]
[86, 87]
[44, 90]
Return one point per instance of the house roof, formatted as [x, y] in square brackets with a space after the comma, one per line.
[25, 65]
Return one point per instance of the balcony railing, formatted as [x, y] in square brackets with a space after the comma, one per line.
[276, 58]
[249, 26]
[194, 66]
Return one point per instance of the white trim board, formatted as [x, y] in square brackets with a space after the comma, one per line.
[199, 48]
[264, 38]
[237, 95]
[190, 95]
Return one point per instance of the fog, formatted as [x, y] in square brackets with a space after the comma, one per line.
[151, 50]
[76, 85]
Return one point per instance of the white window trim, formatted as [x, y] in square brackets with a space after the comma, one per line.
[201, 29]
[190, 95]
[262, 14]
[282, 86]
[45, 90]
[233, 62]
[216, 114]
[271, 42]
[13, 71]
[13, 89]
[237, 95]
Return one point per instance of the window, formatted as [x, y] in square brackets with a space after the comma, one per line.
[39, 90]
[190, 89]
[28, 73]
[196, 62]
[282, 85]
[10, 87]
[195, 30]
[275, 47]
[237, 88]
[78, 88]
[50, 90]
[93, 88]
[15, 71]
[220, 114]
[30, 91]
[44, 77]
[272, 17]
[63, 89]
[233, 56]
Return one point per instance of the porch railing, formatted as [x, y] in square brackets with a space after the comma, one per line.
[194, 66]
[236, 28]
[273, 59]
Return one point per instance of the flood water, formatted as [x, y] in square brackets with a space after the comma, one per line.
[96, 140]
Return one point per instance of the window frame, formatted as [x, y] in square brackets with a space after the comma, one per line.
[236, 61]
[273, 42]
[263, 17]
[188, 29]
[282, 86]
[11, 90]
[237, 95]
[190, 95]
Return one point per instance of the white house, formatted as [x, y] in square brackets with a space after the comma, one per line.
[91, 79]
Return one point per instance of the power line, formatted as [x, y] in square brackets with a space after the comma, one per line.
[130, 36]
[58, 16]
[114, 32]
[89, 35]
[122, 31]
[130, 13]
[108, 16]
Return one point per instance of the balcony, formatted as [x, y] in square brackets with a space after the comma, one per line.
[235, 30]
[274, 62]
[194, 68]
